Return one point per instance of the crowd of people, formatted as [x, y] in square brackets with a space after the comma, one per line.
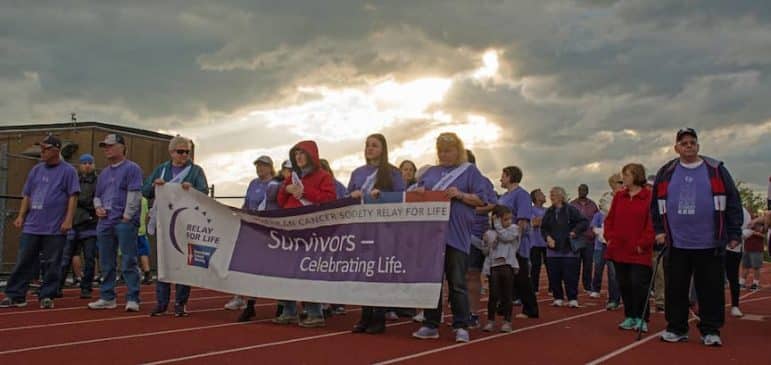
[689, 212]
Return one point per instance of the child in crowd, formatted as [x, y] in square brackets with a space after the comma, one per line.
[500, 246]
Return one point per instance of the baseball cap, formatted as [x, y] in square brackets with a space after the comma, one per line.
[86, 158]
[686, 131]
[286, 165]
[112, 139]
[264, 159]
[50, 141]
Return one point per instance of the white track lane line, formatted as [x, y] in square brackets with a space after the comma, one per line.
[649, 338]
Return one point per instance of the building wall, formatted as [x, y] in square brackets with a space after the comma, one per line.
[147, 151]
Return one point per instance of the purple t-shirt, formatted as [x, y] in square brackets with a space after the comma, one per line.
[340, 189]
[690, 208]
[112, 186]
[597, 221]
[536, 238]
[175, 170]
[470, 181]
[258, 190]
[482, 221]
[520, 203]
[359, 176]
[48, 189]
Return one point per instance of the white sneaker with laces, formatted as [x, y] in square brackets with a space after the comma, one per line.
[736, 312]
[557, 303]
[237, 303]
[573, 304]
[132, 306]
[594, 294]
[102, 304]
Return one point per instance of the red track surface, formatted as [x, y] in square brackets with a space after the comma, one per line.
[71, 333]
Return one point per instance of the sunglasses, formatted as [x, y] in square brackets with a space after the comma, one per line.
[182, 152]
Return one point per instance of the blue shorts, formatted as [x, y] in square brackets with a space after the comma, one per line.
[143, 246]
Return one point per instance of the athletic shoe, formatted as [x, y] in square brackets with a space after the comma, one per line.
[473, 321]
[594, 294]
[340, 310]
[102, 304]
[573, 304]
[391, 316]
[158, 311]
[557, 303]
[506, 327]
[461, 335]
[85, 294]
[754, 287]
[489, 327]
[237, 303]
[611, 306]
[627, 324]
[282, 319]
[419, 317]
[132, 306]
[736, 312]
[247, 314]
[180, 311]
[712, 340]
[640, 323]
[8, 303]
[673, 337]
[46, 303]
[425, 333]
[312, 322]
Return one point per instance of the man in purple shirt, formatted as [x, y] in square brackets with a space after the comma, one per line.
[118, 203]
[517, 199]
[50, 195]
[697, 212]
[588, 209]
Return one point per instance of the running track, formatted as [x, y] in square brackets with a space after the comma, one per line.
[71, 333]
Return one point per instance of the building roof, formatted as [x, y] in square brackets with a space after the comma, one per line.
[83, 125]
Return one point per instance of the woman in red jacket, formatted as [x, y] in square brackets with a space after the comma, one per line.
[629, 233]
[308, 184]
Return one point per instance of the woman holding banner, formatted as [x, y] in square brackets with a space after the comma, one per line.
[377, 176]
[308, 184]
[464, 185]
[180, 169]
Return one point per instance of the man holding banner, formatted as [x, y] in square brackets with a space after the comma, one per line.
[179, 169]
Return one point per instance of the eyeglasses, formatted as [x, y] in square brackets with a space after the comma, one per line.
[182, 152]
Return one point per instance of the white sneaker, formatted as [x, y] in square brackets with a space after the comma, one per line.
[419, 317]
[489, 327]
[736, 312]
[594, 294]
[237, 303]
[506, 327]
[557, 303]
[573, 304]
[132, 306]
[102, 304]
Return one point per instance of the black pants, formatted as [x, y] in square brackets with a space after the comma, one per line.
[586, 256]
[634, 281]
[523, 288]
[501, 283]
[732, 261]
[708, 269]
[455, 273]
[537, 258]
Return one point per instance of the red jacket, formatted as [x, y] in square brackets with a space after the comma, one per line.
[629, 228]
[318, 185]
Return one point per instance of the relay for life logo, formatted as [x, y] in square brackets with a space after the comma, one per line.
[200, 239]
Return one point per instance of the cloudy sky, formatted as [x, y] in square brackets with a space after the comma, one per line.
[569, 90]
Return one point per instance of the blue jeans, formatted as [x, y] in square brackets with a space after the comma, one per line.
[163, 293]
[72, 249]
[290, 309]
[599, 264]
[563, 269]
[123, 235]
[455, 273]
[44, 251]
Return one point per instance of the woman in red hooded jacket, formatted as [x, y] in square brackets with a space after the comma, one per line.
[308, 184]
[629, 233]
